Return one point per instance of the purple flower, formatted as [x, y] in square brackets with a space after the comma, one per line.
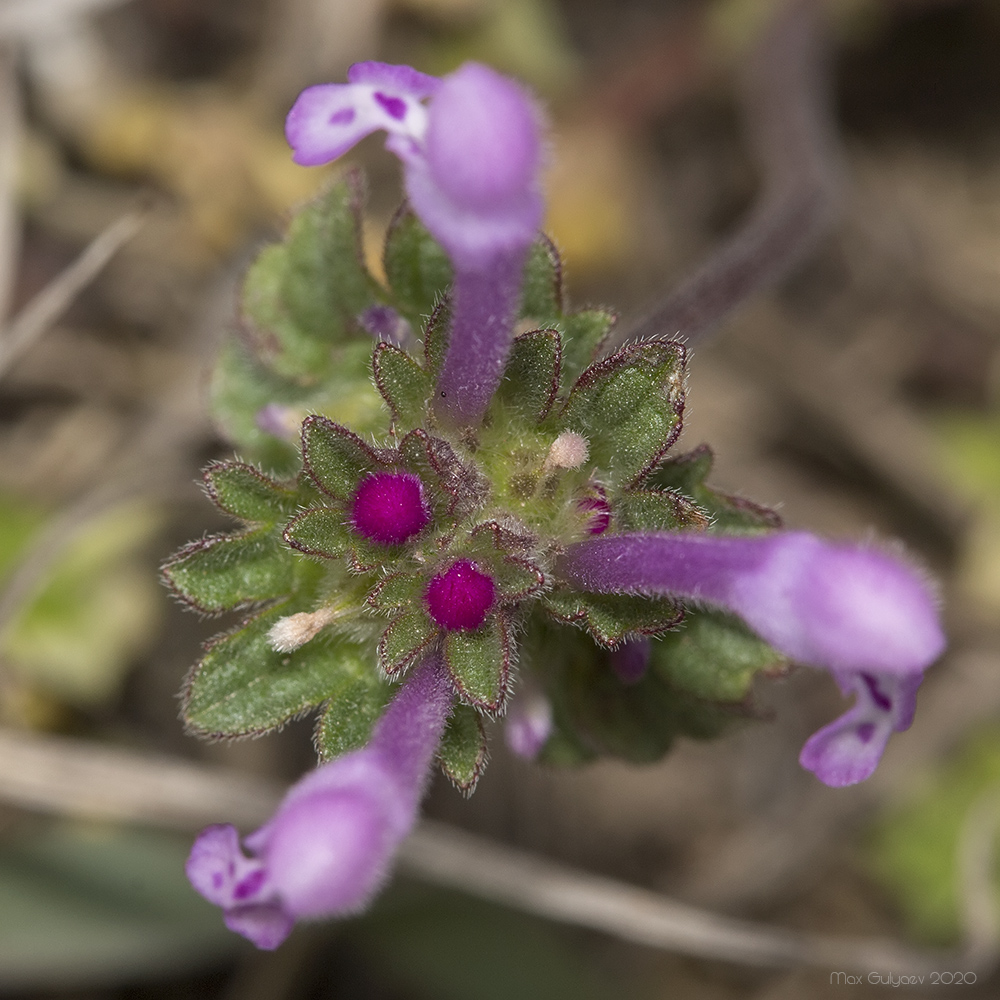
[472, 159]
[867, 617]
[328, 848]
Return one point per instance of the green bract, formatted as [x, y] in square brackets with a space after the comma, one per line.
[333, 618]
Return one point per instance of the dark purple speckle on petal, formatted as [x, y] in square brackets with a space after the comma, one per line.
[249, 885]
[342, 117]
[878, 697]
[866, 731]
[395, 107]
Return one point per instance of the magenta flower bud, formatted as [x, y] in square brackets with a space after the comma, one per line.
[854, 610]
[329, 847]
[599, 510]
[389, 507]
[461, 597]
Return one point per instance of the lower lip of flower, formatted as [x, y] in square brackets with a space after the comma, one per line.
[461, 597]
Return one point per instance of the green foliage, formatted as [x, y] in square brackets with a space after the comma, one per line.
[352, 710]
[584, 333]
[404, 640]
[713, 656]
[246, 493]
[541, 293]
[462, 753]
[226, 572]
[243, 686]
[610, 618]
[319, 531]
[479, 663]
[301, 296]
[241, 387]
[595, 712]
[629, 408]
[404, 385]
[97, 607]
[334, 457]
[913, 848]
[398, 590]
[656, 510]
[417, 269]
[686, 474]
[531, 379]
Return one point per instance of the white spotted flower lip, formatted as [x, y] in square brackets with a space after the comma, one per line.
[472, 154]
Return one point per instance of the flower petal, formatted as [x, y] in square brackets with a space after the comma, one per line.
[330, 118]
[266, 926]
[848, 749]
[219, 870]
[400, 78]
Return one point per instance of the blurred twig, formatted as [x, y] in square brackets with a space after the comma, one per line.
[10, 142]
[977, 876]
[74, 777]
[26, 17]
[785, 99]
[46, 307]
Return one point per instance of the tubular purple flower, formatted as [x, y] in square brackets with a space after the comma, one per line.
[329, 847]
[867, 617]
[472, 159]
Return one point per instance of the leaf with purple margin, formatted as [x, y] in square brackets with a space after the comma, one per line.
[243, 686]
[334, 457]
[531, 379]
[404, 640]
[403, 384]
[463, 750]
[245, 492]
[225, 572]
[479, 663]
[629, 408]
[319, 531]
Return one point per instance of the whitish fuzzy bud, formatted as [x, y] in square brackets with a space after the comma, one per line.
[287, 634]
[568, 451]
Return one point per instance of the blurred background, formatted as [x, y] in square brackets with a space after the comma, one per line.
[861, 394]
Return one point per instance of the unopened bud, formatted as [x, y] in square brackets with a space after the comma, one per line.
[287, 634]
[568, 451]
